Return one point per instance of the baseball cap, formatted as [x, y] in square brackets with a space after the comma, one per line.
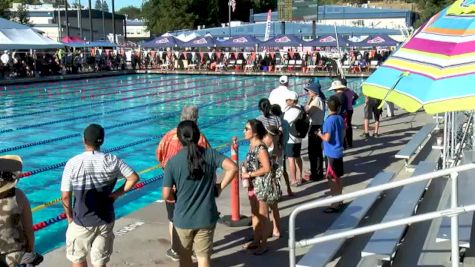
[94, 134]
[291, 95]
[283, 79]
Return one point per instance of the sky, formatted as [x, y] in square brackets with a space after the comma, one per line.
[118, 3]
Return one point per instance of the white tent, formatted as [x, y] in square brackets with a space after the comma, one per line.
[18, 36]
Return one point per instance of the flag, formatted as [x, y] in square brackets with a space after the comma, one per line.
[232, 3]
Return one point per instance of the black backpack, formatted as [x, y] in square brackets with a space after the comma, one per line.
[301, 124]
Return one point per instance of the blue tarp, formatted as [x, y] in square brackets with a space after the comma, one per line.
[283, 40]
[163, 42]
[327, 41]
[375, 40]
[239, 41]
[200, 42]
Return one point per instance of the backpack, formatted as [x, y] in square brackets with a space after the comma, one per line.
[301, 124]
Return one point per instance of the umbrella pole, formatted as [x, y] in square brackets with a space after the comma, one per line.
[444, 151]
[454, 222]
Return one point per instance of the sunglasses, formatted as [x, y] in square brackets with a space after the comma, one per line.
[7, 176]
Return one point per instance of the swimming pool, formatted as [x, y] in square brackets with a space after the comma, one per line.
[43, 123]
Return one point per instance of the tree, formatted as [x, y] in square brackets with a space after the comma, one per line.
[428, 8]
[131, 12]
[21, 15]
[98, 5]
[4, 6]
[168, 15]
[105, 6]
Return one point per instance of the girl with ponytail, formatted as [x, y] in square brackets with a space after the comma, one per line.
[192, 173]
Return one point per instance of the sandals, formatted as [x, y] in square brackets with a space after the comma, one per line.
[260, 251]
[250, 245]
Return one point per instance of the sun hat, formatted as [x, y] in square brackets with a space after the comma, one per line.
[337, 84]
[10, 169]
[283, 79]
[291, 95]
[314, 87]
[94, 134]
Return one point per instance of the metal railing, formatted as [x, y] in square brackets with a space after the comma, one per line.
[453, 212]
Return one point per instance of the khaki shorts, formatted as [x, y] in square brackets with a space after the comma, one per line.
[98, 240]
[198, 240]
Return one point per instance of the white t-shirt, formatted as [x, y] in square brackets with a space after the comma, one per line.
[277, 96]
[5, 58]
[290, 115]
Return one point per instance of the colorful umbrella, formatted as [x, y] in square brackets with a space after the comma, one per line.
[435, 69]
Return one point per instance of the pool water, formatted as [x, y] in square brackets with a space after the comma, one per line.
[43, 123]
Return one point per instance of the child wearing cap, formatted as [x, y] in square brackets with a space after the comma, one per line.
[293, 144]
[332, 134]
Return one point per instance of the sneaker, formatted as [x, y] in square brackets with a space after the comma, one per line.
[172, 255]
[365, 135]
[375, 135]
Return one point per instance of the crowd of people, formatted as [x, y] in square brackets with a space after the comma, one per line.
[190, 185]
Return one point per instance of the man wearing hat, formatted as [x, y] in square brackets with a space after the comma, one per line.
[92, 176]
[16, 227]
[277, 96]
[315, 108]
[292, 144]
[338, 87]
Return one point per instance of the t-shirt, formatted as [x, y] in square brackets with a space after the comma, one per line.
[271, 120]
[91, 176]
[290, 115]
[350, 96]
[277, 96]
[343, 103]
[195, 205]
[334, 125]
[170, 145]
[315, 110]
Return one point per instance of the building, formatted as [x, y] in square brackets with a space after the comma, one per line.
[364, 16]
[137, 30]
[52, 22]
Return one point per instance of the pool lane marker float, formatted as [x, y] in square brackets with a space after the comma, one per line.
[115, 100]
[121, 109]
[62, 216]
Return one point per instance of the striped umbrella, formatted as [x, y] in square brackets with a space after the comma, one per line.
[435, 69]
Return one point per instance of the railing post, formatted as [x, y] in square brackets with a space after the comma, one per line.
[235, 219]
[454, 221]
[293, 214]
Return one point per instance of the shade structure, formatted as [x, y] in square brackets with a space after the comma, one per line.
[163, 42]
[435, 69]
[200, 42]
[92, 44]
[328, 41]
[382, 40]
[18, 36]
[283, 41]
[239, 41]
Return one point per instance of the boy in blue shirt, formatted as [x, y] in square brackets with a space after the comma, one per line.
[332, 135]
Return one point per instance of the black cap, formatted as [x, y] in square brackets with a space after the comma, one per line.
[94, 135]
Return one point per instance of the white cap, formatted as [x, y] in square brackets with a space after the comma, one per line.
[291, 95]
[337, 84]
[283, 79]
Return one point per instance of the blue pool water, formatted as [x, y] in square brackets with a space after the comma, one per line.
[43, 124]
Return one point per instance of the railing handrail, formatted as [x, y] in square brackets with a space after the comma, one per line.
[379, 188]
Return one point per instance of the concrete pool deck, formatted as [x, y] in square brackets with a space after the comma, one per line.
[142, 236]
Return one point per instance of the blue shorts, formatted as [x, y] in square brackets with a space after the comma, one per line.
[293, 150]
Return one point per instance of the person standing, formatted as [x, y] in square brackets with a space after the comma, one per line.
[16, 228]
[293, 144]
[371, 110]
[277, 96]
[92, 176]
[168, 147]
[315, 109]
[351, 98]
[332, 134]
[192, 173]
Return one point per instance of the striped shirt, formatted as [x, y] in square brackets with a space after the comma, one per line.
[92, 176]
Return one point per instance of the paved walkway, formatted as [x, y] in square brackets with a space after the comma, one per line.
[142, 237]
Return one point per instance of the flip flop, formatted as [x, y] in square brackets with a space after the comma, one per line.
[260, 251]
[250, 245]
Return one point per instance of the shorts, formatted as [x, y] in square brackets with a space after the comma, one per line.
[170, 210]
[96, 240]
[334, 168]
[293, 150]
[198, 240]
[370, 111]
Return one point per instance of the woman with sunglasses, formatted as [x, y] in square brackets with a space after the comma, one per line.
[257, 165]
